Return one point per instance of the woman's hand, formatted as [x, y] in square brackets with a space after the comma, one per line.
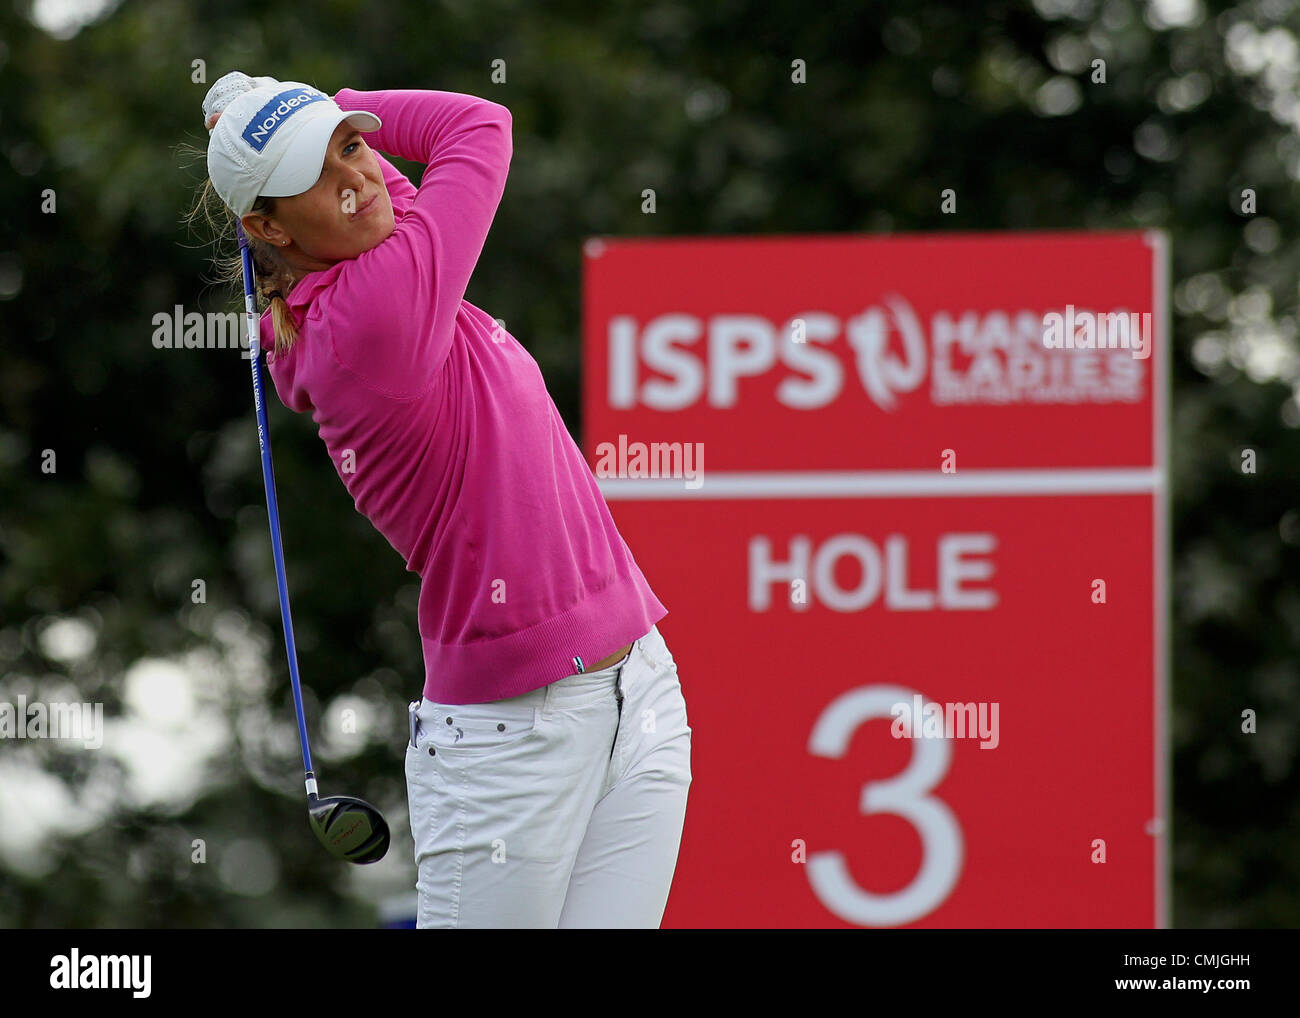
[227, 88]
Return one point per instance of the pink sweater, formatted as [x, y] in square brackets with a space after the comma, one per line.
[440, 426]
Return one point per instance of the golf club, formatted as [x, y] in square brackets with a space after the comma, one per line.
[350, 829]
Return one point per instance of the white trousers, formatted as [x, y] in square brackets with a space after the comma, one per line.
[559, 808]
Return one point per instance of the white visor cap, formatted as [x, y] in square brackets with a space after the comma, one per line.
[271, 140]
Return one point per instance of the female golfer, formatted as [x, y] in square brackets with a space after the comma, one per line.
[548, 761]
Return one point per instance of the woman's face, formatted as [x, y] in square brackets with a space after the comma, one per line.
[347, 211]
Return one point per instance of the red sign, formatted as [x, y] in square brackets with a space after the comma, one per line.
[904, 501]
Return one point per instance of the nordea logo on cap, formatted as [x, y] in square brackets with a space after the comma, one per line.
[267, 120]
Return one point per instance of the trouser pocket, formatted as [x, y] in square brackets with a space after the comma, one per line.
[475, 729]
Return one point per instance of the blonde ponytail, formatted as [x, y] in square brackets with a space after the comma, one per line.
[274, 279]
[273, 276]
[286, 329]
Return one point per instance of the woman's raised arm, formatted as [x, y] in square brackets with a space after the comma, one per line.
[392, 311]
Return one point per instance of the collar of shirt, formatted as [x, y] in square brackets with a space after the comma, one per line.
[311, 284]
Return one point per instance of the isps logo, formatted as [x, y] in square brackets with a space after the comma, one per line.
[883, 373]
[676, 360]
[810, 360]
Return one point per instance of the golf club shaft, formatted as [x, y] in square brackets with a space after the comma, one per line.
[272, 510]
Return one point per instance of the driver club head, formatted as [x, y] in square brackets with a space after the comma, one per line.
[350, 829]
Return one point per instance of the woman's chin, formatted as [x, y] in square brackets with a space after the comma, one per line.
[374, 238]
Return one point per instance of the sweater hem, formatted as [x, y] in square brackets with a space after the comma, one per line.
[624, 611]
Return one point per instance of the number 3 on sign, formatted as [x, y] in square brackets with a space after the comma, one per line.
[903, 795]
